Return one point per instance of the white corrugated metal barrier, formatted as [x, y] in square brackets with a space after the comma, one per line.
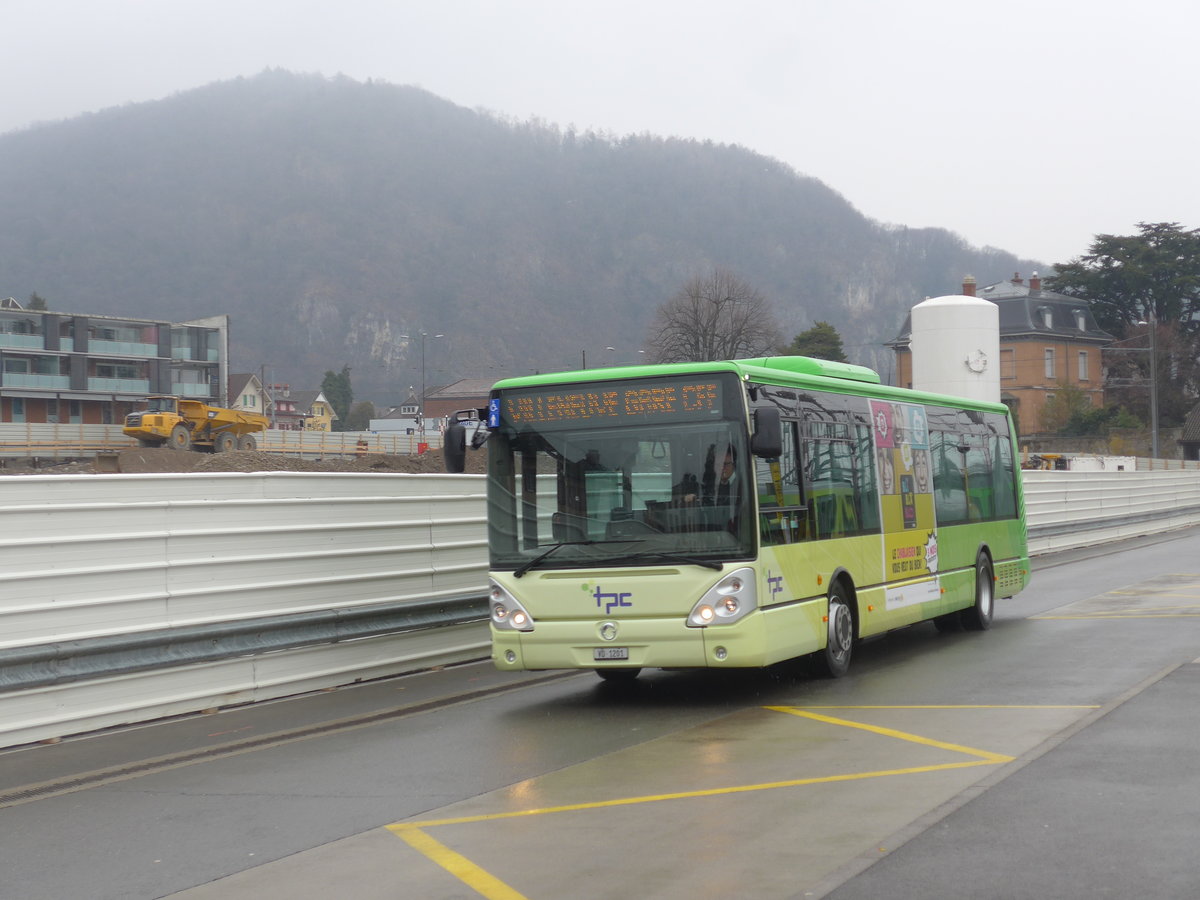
[129, 597]
[1065, 510]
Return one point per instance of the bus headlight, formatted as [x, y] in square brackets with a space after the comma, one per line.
[730, 599]
[507, 612]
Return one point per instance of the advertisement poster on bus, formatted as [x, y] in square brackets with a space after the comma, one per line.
[901, 436]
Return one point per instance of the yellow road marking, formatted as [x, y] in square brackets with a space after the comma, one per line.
[986, 755]
[960, 706]
[492, 888]
[1130, 615]
[707, 792]
[456, 864]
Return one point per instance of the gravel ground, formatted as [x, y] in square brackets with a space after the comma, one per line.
[160, 459]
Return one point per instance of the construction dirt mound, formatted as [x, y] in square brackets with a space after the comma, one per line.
[161, 459]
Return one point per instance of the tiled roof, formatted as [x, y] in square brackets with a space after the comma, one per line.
[466, 387]
[1191, 425]
[1033, 312]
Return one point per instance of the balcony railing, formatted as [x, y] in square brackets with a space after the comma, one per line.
[23, 379]
[192, 390]
[123, 348]
[120, 385]
[8, 339]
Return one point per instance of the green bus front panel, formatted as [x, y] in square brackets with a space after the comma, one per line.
[649, 609]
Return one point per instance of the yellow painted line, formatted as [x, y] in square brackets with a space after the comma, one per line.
[986, 755]
[490, 887]
[1125, 616]
[982, 758]
[479, 880]
[709, 792]
[963, 706]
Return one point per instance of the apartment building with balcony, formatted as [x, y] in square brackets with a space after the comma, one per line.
[89, 369]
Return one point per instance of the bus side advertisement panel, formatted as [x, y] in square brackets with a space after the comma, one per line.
[900, 432]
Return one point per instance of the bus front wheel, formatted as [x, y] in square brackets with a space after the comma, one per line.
[979, 616]
[834, 660]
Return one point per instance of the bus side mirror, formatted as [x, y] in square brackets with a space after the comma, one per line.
[767, 440]
[455, 448]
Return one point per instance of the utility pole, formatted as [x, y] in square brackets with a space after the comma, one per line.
[1153, 385]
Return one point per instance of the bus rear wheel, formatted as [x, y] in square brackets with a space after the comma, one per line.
[979, 616]
[834, 660]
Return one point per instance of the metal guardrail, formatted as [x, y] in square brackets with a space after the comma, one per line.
[64, 662]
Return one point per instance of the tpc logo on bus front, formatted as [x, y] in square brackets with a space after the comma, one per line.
[610, 600]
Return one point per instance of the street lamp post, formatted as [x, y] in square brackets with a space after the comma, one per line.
[423, 336]
[1152, 323]
[1153, 385]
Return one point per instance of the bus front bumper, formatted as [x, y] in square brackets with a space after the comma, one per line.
[638, 644]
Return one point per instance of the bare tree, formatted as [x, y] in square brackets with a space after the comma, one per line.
[716, 316]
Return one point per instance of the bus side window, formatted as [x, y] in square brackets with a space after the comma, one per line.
[1003, 485]
[780, 500]
[866, 487]
[949, 483]
[980, 491]
[830, 481]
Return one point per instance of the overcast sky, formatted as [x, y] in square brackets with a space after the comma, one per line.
[1028, 125]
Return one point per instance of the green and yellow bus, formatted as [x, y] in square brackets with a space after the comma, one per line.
[740, 513]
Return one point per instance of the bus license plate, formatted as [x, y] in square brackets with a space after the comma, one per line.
[610, 653]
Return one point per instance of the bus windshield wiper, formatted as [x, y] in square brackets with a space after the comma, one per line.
[667, 556]
[526, 566]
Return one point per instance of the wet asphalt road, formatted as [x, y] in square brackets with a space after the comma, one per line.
[1050, 757]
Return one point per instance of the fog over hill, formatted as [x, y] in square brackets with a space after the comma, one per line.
[333, 219]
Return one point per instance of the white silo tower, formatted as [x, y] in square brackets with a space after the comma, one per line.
[956, 347]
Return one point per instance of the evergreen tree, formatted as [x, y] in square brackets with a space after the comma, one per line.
[822, 341]
[360, 416]
[339, 393]
[1145, 289]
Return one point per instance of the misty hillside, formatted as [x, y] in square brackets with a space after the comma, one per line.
[331, 218]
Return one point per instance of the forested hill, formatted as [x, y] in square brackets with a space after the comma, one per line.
[331, 218]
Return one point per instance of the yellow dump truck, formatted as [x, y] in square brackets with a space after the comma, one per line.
[187, 424]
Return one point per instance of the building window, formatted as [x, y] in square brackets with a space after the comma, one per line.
[18, 409]
[1050, 363]
[1008, 365]
[1083, 365]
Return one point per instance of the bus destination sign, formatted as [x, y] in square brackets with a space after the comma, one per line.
[615, 402]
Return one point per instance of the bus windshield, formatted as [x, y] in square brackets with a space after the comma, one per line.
[675, 491]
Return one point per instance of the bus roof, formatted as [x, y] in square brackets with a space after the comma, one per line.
[784, 371]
